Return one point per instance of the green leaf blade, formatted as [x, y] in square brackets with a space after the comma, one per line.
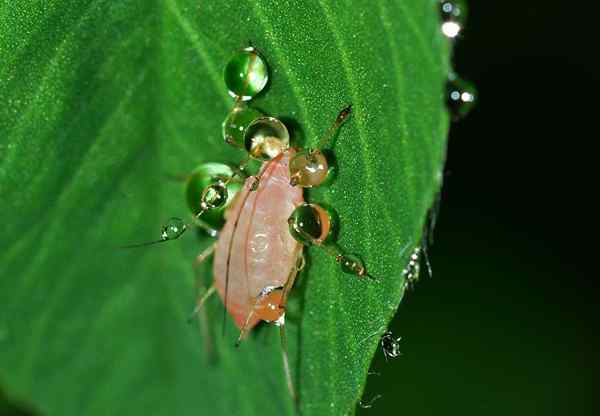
[106, 99]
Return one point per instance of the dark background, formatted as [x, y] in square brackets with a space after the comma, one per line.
[507, 323]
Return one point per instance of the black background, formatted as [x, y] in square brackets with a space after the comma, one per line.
[507, 323]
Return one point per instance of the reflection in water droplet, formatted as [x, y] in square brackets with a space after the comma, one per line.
[454, 15]
[246, 74]
[266, 137]
[214, 196]
[236, 123]
[173, 229]
[461, 97]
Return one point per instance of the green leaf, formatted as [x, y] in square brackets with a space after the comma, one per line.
[101, 100]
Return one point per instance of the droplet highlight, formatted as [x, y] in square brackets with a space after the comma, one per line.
[461, 97]
[173, 229]
[454, 16]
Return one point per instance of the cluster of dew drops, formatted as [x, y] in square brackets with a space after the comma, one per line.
[460, 100]
[461, 95]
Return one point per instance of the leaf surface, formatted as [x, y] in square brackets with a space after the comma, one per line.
[101, 100]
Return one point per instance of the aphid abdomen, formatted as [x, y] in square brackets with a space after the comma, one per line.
[258, 251]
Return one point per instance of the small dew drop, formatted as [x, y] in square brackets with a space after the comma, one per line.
[173, 229]
[461, 97]
[214, 196]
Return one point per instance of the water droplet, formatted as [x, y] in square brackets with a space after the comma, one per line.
[236, 123]
[454, 16]
[266, 138]
[173, 229]
[246, 74]
[214, 196]
[308, 168]
[310, 224]
[461, 97]
[202, 177]
[412, 269]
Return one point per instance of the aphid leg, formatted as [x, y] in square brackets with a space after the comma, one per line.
[369, 404]
[244, 330]
[204, 226]
[205, 254]
[281, 322]
[286, 361]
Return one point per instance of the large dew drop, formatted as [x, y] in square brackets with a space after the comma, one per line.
[246, 74]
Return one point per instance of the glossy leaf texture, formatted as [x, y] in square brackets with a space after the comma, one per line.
[102, 101]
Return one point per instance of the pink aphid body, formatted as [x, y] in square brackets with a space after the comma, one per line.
[255, 249]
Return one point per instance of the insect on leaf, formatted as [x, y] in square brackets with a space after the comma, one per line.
[104, 101]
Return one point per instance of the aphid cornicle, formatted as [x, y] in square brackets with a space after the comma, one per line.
[267, 221]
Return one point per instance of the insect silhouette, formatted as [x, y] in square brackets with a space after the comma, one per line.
[262, 221]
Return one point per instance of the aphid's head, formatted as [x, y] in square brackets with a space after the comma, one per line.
[208, 191]
[266, 138]
[246, 74]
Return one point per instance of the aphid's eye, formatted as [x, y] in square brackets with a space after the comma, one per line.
[310, 224]
[308, 168]
[461, 97]
[173, 229]
[236, 123]
[454, 16]
[204, 190]
[246, 74]
[266, 138]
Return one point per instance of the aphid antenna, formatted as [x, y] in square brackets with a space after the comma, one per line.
[200, 303]
[355, 267]
[381, 330]
[175, 228]
[424, 249]
[327, 139]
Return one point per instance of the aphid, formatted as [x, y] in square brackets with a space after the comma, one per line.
[267, 221]
[389, 345]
